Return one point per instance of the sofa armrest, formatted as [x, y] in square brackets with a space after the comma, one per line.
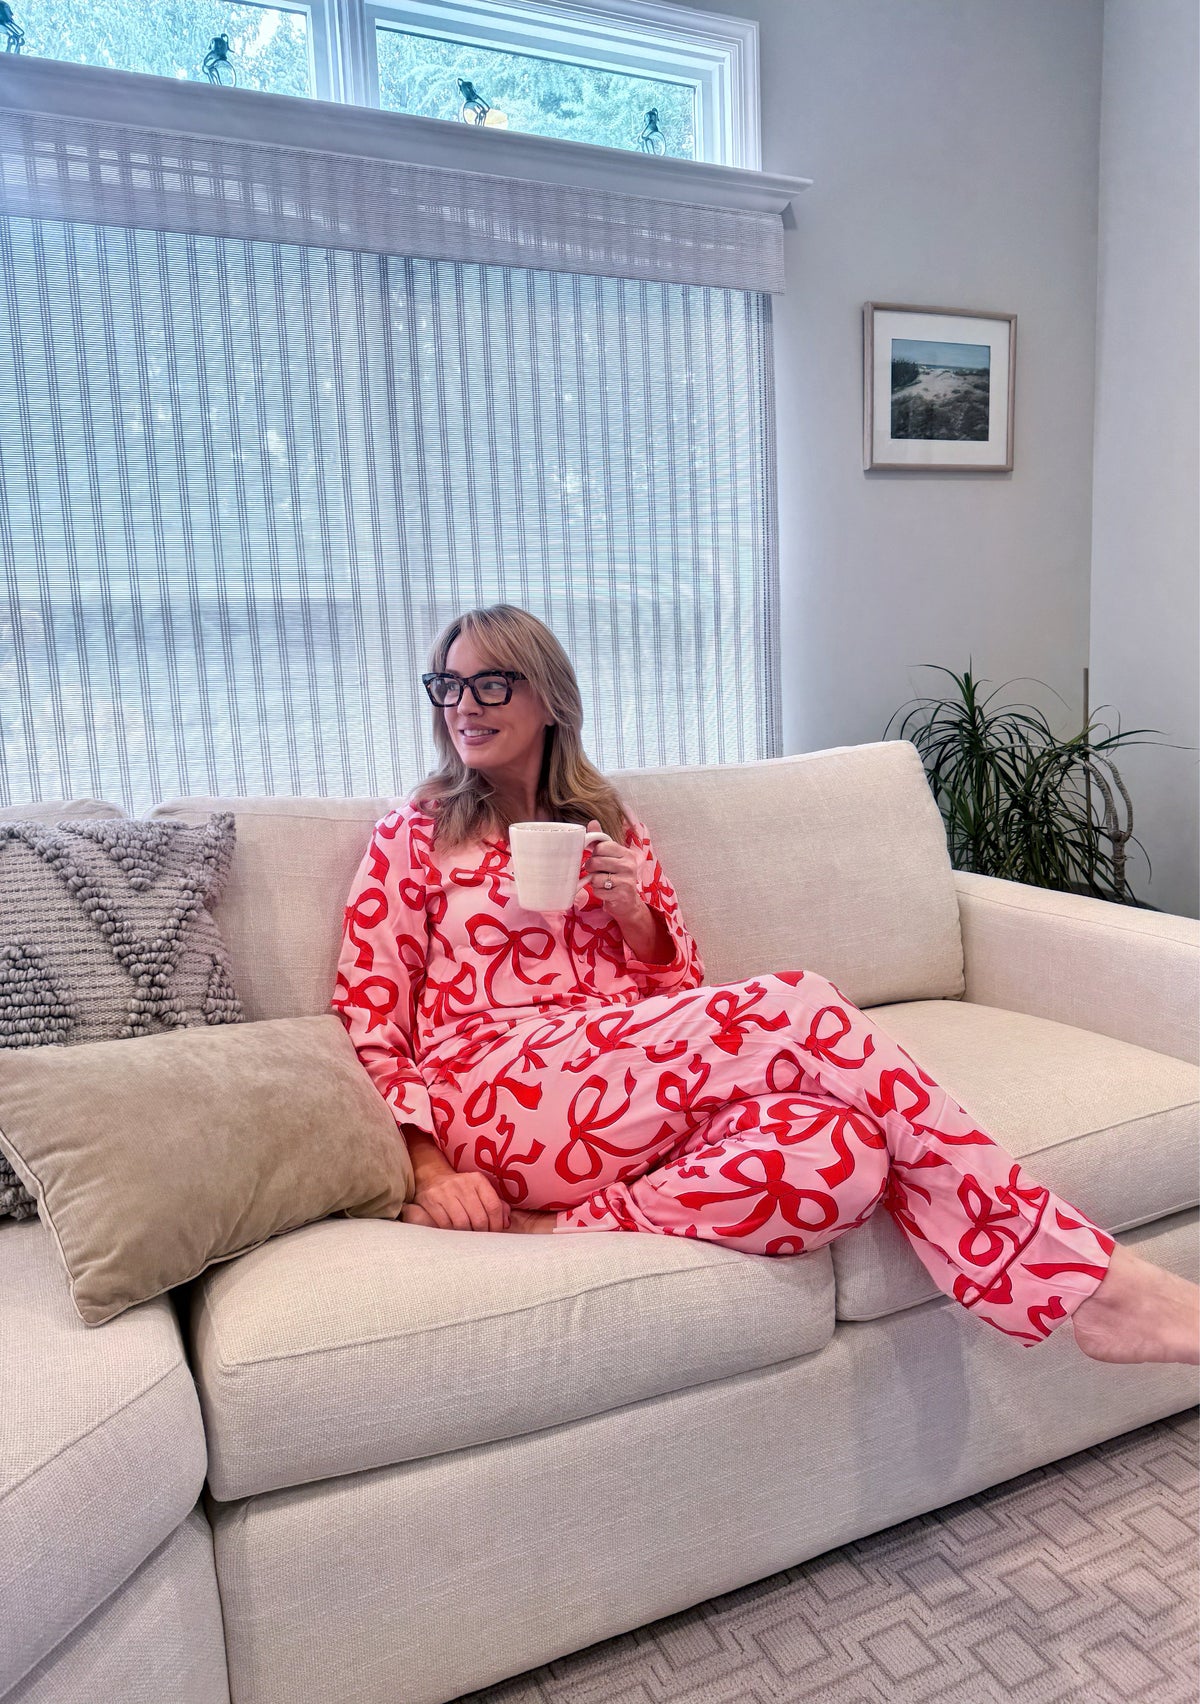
[1099, 966]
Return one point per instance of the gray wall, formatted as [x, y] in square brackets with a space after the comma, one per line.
[953, 146]
[1146, 538]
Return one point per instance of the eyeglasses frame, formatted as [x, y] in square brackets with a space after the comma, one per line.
[465, 682]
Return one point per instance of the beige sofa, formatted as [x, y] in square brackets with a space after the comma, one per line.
[435, 1459]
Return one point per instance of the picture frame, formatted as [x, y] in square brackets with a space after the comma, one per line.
[938, 389]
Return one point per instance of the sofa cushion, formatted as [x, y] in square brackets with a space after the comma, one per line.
[352, 1344]
[1109, 1127]
[152, 1162]
[159, 1639]
[280, 912]
[59, 810]
[834, 861]
[101, 1448]
[105, 931]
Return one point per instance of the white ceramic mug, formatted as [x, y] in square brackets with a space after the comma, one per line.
[545, 861]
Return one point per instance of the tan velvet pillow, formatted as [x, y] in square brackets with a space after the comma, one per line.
[155, 1157]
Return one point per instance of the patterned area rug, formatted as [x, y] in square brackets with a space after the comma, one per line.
[1075, 1584]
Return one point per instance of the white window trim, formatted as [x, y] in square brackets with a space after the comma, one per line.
[716, 55]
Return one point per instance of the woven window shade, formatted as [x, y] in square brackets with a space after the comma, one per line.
[73, 168]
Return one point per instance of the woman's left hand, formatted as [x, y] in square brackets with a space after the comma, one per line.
[612, 873]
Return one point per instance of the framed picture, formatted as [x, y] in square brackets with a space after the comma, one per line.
[938, 388]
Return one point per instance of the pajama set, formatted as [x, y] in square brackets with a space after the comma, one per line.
[768, 1115]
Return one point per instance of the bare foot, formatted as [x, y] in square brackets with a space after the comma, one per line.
[525, 1220]
[1139, 1312]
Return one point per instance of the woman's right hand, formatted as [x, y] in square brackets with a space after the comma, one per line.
[451, 1200]
[458, 1201]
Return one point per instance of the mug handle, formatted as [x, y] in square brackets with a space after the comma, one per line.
[592, 835]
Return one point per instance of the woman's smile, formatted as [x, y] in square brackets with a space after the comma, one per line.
[474, 737]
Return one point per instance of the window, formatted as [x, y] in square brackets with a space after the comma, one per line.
[582, 73]
[274, 472]
[270, 45]
[543, 96]
[272, 412]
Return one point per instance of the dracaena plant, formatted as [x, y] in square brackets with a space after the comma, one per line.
[1017, 801]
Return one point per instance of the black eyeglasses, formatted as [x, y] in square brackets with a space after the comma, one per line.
[490, 686]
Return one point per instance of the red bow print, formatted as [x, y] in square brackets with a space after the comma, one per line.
[585, 1121]
[617, 1029]
[593, 941]
[991, 1233]
[531, 1055]
[1049, 1311]
[1052, 1268]
[442, 1002]
[491, 869]
[367, 912]
[375, 995]
[501, 1165]
[676, 1094]
[997, 1290]
[901, 1185]
[771, 1193]
[786, 1075]
[734, 1018]
[480, 1105]
[509, 946]
[822, 1047]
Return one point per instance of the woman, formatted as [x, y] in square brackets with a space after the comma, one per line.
[573, 1073]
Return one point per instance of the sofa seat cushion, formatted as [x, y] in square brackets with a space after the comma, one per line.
[101, 1448]
[1109, 1127]
[355, 1344]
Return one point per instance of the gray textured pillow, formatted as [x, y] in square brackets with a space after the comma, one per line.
[106, 932]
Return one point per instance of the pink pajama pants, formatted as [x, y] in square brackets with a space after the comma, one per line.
[769, 1115]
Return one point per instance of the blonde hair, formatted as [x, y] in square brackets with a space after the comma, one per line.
[569, 788]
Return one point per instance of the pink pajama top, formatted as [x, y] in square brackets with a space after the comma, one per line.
[440, 962]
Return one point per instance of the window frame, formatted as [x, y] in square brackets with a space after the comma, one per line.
[714, 54]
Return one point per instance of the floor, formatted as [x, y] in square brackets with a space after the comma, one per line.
[1075, 1584]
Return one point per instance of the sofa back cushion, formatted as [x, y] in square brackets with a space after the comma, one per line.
[59, 810]
[280, 913]
[833, 861]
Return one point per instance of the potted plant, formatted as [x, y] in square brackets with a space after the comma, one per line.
[1016, 800]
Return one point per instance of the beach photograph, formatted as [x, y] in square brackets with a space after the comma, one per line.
[940, 390]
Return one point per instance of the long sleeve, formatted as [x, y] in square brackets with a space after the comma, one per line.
[382, 963]
[685, 970]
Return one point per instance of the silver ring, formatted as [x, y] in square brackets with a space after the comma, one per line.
[607, 883]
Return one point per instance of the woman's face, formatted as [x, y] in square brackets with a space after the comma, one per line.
[503, 741]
